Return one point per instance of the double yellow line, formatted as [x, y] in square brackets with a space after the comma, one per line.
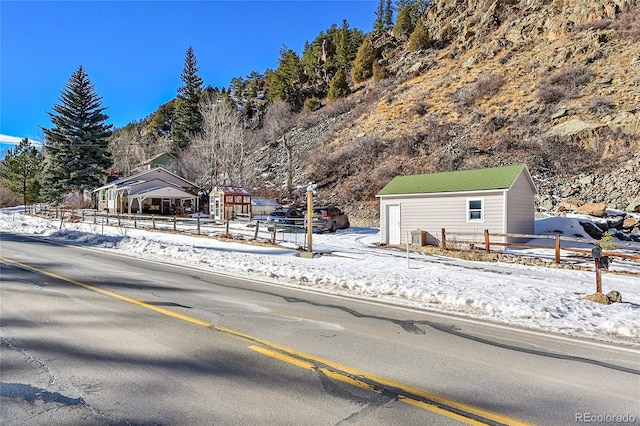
[438, 404]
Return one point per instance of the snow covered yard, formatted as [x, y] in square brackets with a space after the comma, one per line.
[534, 297]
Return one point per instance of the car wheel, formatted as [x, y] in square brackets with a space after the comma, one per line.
[333, 227]
[346, 224]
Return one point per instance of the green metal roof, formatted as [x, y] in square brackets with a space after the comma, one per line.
[458, 181]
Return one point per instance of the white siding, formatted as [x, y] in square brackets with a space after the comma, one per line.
[432, 212]
[521, 207]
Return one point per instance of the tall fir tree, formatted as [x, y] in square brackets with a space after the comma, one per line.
[187, 120]
[378, 24]
[20, 169]
[77, 155]
[285, 82]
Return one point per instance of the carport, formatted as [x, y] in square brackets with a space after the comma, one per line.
[171, 200]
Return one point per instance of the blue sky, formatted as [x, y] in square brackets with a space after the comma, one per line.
[133, 51]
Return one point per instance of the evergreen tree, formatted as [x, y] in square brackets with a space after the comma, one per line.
[339, 87]
[388, 15]
[187, 120]
[378, 24]
[363, 64]
[77, 147]
[20, 168]
[420, 38]
[409, 12]
[285, 82]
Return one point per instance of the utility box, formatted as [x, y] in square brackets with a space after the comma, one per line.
[418, 238]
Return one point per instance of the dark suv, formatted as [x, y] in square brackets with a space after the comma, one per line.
[328, 218]
[279, 219]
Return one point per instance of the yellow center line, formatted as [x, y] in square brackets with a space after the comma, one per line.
[438, 404]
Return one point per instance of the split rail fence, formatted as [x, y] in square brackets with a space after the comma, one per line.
[452, 239]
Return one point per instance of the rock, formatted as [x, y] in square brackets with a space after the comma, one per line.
[634, 206]
[591, 229]
[630, 223]
[598, 298]
[593, 209]
[614, 296]
[569, 205]
[604, 81]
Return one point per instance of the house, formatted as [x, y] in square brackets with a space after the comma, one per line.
[160, 160]
[154, 191]
[227, 202]
[499, 199]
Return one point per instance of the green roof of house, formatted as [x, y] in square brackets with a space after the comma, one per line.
[458, 181]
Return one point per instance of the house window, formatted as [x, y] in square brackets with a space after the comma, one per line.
[475, 210]
[229, 198]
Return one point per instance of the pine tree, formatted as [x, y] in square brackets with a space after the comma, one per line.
[388, 15]
[339, 87]
[77, 147]
[363, 64]
[378, 24]
[20, 168]
[285, 82]
[187, 120]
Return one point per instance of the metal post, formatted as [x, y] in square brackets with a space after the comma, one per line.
[255, 235]
[444, 239]
[309, 220]
[174, 223]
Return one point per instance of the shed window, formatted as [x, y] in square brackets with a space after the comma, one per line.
[475, 210]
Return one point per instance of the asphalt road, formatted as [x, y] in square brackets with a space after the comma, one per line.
[88, 337]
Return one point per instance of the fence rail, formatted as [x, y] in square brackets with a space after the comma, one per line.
[487, 243]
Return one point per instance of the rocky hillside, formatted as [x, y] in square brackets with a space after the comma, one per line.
[553, 84]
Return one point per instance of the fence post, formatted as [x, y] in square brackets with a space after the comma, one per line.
[444, 239]
[487, 246]
[255, 235]
[598, 277]
[557, 248]
[174, 223]
[153, 221]
[198, 230]
[227, 228]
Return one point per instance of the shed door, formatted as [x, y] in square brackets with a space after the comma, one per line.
[393, 224]
[217, 208]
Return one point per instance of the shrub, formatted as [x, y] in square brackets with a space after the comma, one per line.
[380, 71]
[628, 25]
[484, 86]
[563, 84]
[312, 104]
[420, 38]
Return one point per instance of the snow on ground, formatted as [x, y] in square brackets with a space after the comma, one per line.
[533, 297]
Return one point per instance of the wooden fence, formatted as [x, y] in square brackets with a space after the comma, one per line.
[451, 238]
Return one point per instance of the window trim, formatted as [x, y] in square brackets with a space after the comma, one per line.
[469, 210]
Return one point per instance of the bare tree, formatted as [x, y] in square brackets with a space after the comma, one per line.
[277, 122]
[217, 155]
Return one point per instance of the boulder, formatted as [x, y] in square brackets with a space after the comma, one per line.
[614, 296]
[630, 223]
[634, 206]
[569, 205]
[593, 209]
[592, 229]
[598, 298]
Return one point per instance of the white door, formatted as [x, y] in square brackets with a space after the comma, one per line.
[217, 209]
[393, 224]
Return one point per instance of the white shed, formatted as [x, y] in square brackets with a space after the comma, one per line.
[498, 199]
